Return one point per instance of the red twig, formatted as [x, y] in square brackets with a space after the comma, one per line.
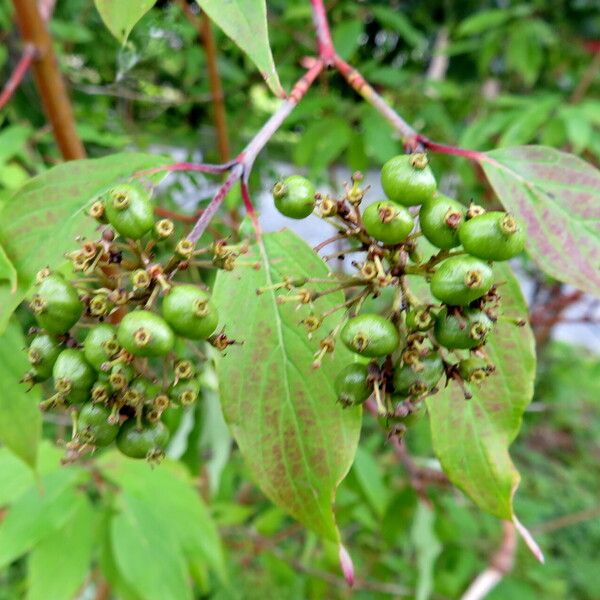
[13, 82]
[241, 166]
[500, 565]
[326, 50]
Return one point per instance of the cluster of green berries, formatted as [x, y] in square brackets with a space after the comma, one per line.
[418, 345]
[116, 337]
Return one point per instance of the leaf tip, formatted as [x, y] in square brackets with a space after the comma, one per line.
[346, 565]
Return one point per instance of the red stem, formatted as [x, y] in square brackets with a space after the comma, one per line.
[453, 150]
[240, 167]
[326, 49]
[362, 87]
[13, 82]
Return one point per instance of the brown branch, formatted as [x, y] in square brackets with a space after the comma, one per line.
[205, 33]
[588, 77]
[567, 520]
[49, 81]
[500, 565]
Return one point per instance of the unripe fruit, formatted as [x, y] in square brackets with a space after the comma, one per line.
[100, 345]
[93, 426]
[172, 418]
[463, 331]
[56, 305]
[189, 311]
[185, 392]
[351, 385]
[42, 354]
[73, 376]
[461, 279]
[419, 318]
[420, 377]
[294, 197]
[408, 180]
[440, 218]
[387, 222]
[474, 369]
[370, 335]
[148, 441]
[129, 210]
[492, 236]
[144, 333]
[120, 376]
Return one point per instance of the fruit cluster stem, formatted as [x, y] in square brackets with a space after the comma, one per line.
[241, 166]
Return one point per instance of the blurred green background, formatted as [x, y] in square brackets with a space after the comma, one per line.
[478, 74]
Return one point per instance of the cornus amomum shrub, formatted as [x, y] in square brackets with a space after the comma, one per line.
[114, 311]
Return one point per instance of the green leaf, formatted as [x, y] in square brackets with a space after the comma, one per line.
[400, 24]
[20, 418]
[368, 474]
[40, 222]
[471, 437]
[146, 551]
[322, 143]
[13, 140]
[173, 495]
[297, 441]
[557, 196]
[59, 564]
[526, 126]
[483, 21]
[37, 513]
[8, 271]
[245, 22]
[120, 16]
[578, 127]
[427, 547]
[346, 37]
[16, 477]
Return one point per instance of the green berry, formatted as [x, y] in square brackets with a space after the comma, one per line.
[461, 279]
[185, 392]
[56, 305]
[418, 377]
[419, 318]
[148, 441]
[73, 376]
[351, 385]
[408, 180]
[467, 329]
[144, 333]
[387, 222]
[190, 313]
[492, 236]
[42, 354]
[294, 197]
[120, 376]
[440, 218]
[93, 426]
[129, 210]
[370, 335]
[172, 417]
[100, 345]
[474, 369]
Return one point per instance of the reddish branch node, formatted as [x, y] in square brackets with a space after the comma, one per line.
[240, 167]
